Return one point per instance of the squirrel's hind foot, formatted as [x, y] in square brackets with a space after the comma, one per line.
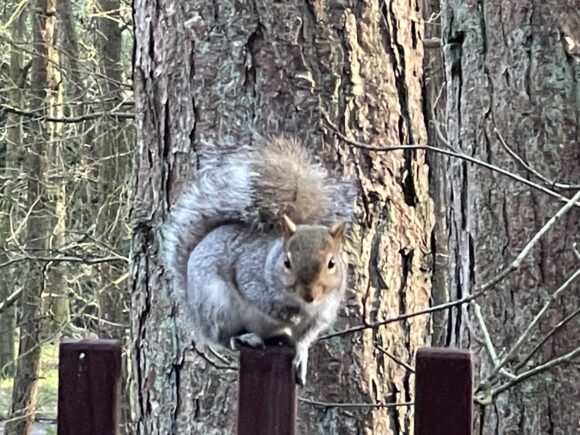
[284, 339]
[250, 339]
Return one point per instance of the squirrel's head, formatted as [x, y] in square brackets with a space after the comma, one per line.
[312, 262]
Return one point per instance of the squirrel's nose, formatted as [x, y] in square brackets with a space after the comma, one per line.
[308, 297]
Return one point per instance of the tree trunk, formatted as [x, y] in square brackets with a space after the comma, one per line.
[70, 57]
[12, 162]
[435, 114]
[111, 161]
[513, 90]
[38, 230]
[57, 309]
[207, 70]
[112, 171]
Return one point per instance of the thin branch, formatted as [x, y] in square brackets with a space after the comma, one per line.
[10, 300]
[22, 47]
[575, 250]
[397, 360]
[485, 332]
[479, 291]
[451, 154]
[71, 119]
[532, 324]
[555, 329]
[102, 321]
[88, 260]
[49, 337]
[210, 361]
[546, 227]
[487, 396]
[431, 43]
[526, 166]
[353, 405]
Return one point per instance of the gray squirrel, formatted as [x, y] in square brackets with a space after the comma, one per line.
[255, 247]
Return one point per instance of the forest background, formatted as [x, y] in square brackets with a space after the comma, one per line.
[461, 121]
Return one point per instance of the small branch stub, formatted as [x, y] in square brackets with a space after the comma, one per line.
[267, 391]
[89, 386]
[443, 392]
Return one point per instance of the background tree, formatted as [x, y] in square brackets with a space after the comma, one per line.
[500, 91]
[207, 71]
[38, 225]
[85, 134]
[111, 149]
[12, 82]
[56, 308]
[513, 100]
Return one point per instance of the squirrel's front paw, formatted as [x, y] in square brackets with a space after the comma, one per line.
[249, 339]
[290, 314]
[301, 365]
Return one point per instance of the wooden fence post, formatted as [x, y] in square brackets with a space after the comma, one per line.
[89, 385]
[443, 392]
[267, 391]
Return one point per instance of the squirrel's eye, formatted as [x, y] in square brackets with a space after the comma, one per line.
[287, 264]
[331, 263]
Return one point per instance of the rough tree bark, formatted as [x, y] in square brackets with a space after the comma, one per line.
[511, 77]
[434, 102]
[37, 227]
[206, 70]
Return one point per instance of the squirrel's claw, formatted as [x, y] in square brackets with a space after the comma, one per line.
[301, 365]
[300, 377]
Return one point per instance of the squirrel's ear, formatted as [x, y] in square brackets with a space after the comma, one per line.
[337, 231]
[288, 227]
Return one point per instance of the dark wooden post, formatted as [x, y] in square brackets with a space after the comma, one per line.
[267, 391]
[443, 392]
[89, 385]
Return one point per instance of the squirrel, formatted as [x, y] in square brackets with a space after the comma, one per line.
[255, 247]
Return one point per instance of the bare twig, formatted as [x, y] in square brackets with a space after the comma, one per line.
[546, 337]
[575, 250]
[353, 405]
[485, 332]
[10, 300]
[521, 161]
[451, 154]
[211, 362]
[479, 291]
[487, 396]
[432, 43]
[546, 227]
[397, 360]
[70, 119]
[505, 358]
[88, 260]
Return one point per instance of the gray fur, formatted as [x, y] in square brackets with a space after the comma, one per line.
[223, 251]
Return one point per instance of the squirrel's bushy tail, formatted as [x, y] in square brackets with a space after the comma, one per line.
[291, 182]
[253, 186]
[218, 196]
